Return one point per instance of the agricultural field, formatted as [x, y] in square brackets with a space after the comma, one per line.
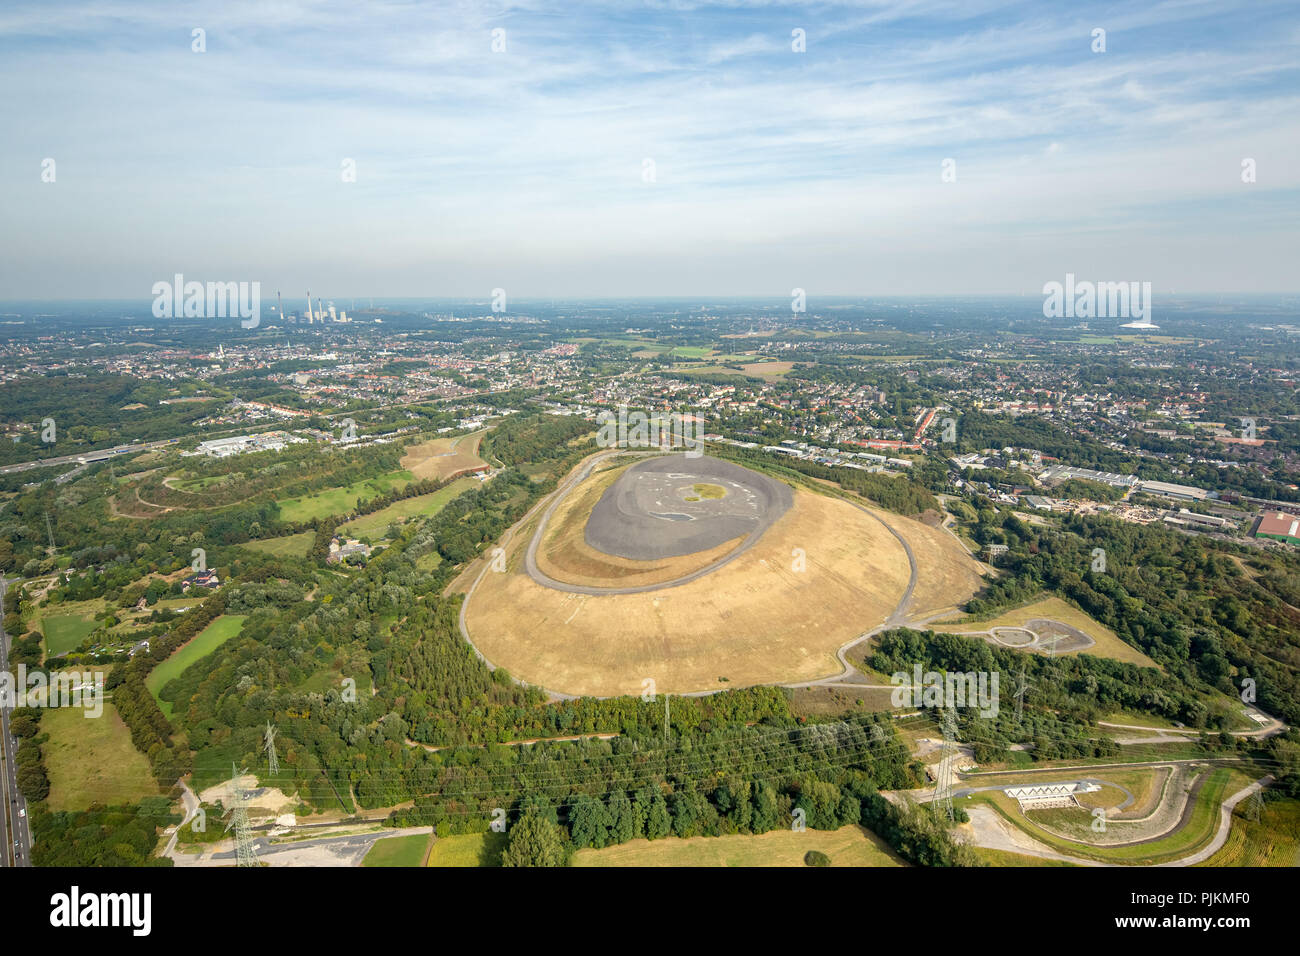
[288, 546]
[768, 371]
[468, 849]
[374, 526]
[201, 645]
[337, 501]
[92, 760]
[849, 846]
[398, 851]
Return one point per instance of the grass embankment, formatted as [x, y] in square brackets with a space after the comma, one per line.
[1272, 840]
[337, 501]
[398, 851]
[201, 645]
[374, 526]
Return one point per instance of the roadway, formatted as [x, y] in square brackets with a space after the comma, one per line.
[103, 454]
[15, 832]
[88, 457]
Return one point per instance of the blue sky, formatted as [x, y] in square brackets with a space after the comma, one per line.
[773, 169]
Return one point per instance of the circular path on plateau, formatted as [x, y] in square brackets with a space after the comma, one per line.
[689, 471]
[655, 509]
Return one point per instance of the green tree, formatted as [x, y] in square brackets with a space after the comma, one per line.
[534, 841]
[625, 826]
[765, 810]
[589, 823]
[658, 823]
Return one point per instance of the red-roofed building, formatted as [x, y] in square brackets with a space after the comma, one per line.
[1279, 526]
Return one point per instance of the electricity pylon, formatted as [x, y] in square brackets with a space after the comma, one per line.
[943, 785]
[271, 758]
[1022, 686]
[245, 855]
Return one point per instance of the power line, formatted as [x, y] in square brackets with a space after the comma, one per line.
[245, 855]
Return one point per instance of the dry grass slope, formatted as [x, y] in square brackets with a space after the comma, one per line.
[757, 620]
[444, 457]
[848, 846]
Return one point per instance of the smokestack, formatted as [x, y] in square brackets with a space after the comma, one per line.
[309, 306]
[279, 306]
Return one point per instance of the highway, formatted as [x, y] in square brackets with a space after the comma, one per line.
[15, 835]
[103, 454]
[88, 457]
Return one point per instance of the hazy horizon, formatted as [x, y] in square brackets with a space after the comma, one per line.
[680, 149]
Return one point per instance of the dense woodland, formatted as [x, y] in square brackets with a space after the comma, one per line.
[1184, 601]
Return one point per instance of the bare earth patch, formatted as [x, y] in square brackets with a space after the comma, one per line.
[444, 457]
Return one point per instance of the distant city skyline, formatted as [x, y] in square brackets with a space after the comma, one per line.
[675, 149]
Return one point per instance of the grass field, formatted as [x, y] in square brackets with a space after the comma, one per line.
[64, 632]
[337, 501]
[469, 849]
[92, 760]
[288, 546]
[1272, 840]
[676, 351]
[330, 679]
[707, 492]
[1053, 608]
[398, 851]
[374, 526]
[201, 645]
[848, 846]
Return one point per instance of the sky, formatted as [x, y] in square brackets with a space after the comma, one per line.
[640, 149]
